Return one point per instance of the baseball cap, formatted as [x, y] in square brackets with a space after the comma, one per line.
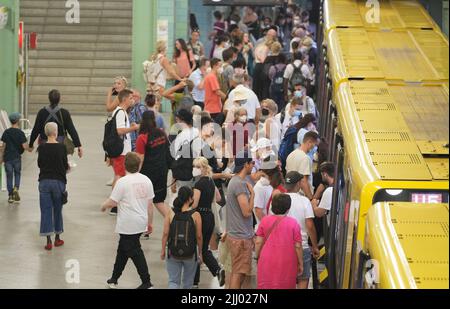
[293, 178]
[14, 117]
[242, 158]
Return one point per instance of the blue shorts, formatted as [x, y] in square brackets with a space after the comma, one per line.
[307, 259]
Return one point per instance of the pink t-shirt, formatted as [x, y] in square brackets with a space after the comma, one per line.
[278, 263]
[213, 103]
[183, 65]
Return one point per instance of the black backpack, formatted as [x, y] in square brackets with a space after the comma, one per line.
[297, 77]
[182, 167]
[112, 141]
[277, 84]
[182, 236]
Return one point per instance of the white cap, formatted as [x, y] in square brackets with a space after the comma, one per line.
[261, 144]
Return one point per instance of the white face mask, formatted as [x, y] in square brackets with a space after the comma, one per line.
[242, 119]
[196, 172]
[264, 181]
[220, 70]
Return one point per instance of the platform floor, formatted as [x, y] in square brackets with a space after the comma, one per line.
[89, 234]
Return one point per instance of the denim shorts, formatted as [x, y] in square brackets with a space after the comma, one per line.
[306, 265]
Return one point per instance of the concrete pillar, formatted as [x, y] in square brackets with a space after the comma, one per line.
[9, 58]
[144, 38]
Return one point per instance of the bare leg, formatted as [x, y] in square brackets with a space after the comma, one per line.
[303, 284]
[236, 281]
[162, 208]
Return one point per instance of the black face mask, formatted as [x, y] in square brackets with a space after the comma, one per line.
[265, 112]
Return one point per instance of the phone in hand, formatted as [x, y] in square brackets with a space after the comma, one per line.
[114, 91]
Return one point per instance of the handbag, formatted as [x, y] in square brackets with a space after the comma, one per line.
[268, 235]
[68, 143]
[65, 197]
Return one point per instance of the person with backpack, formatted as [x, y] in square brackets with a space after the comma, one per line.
[182, 151]
[133, 195]
[295, 74]
[156, 71]
[288, 118]
[117, 139]
[182, 238]
[276, 76]
[54, 113]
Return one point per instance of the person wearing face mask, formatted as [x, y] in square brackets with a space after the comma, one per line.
[272, 125]
[299, 161]
[297, 73]
[261, 151]
[305, 125]
[307, 104]
[239, 131]
[213, 94]
[290, 116]
[205, 193]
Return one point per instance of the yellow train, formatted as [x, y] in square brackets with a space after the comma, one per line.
[384, 103]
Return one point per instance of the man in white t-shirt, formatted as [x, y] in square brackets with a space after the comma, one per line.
[322, 207]
[302, 211]
[198, 78]
[251, 103]
[181, 146]
[124, 129]
[299, 161]
[133, 195]
[263, 190]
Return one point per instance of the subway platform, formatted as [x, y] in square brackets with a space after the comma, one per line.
[90, 242]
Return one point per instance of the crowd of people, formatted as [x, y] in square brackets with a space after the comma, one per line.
[241, 154]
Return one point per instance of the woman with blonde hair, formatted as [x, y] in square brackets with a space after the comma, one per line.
[272, 125]
[160, 66]
[205, 193]
[120, 83]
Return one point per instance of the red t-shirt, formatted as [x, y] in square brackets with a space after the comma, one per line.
[279, 188]
[213, 103]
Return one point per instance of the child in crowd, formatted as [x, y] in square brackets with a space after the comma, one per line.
[16, 144]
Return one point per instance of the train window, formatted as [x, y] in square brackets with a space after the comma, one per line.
[414, 196]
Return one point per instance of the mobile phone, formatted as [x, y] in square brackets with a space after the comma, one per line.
[114, 91]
